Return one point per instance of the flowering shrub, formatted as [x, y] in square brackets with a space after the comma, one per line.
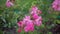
[28, 22]
[29, 17]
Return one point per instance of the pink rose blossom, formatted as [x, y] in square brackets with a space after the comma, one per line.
[29, 27]
[56, 5]
[26, 19]
[20, 24]
[38, 21]
[39, 11]
[9, 4]
[35, 16]
[34, 10]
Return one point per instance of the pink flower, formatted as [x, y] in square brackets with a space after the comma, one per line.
[38, 21]
[20, 24]
[29, 27]
[34, 10]
[35, 16]
[9, 4]
[39, 11]
[40, 17]
[56, 5]
[26, 20]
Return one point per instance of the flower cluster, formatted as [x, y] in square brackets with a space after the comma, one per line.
[9, 3]
[29, 22]
[56, 5]
[35, 15]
